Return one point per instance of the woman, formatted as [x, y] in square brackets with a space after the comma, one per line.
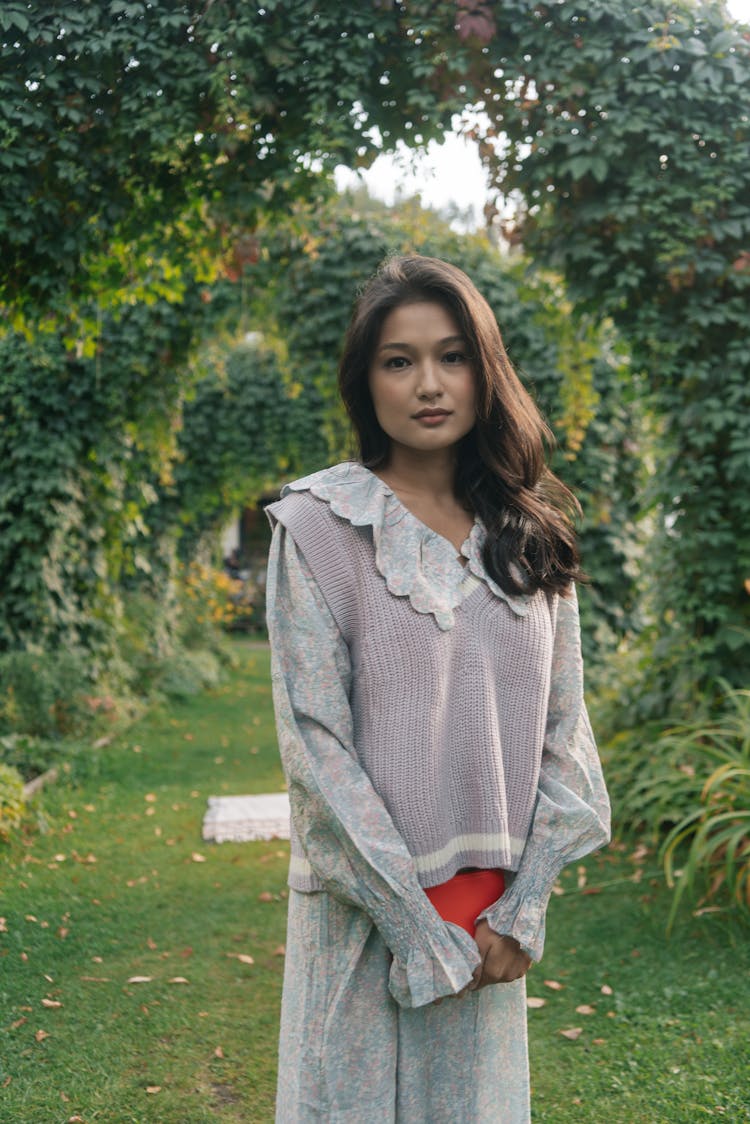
[429, 703]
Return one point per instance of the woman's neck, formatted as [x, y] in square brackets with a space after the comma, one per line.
[413, 472]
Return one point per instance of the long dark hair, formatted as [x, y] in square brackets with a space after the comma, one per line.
[501, 467]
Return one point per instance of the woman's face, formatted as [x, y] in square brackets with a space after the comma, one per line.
[421, 380]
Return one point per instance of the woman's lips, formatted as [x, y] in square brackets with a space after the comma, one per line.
[432, 419]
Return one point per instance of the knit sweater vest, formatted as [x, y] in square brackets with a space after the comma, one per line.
[449, 724]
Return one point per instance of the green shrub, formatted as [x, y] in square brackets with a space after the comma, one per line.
[188, 673]
[12, 802]
[210, 603]
[43, 694]
[651, 778]
[29, 755]
[685, 785]
[143, 641]
[712, 839]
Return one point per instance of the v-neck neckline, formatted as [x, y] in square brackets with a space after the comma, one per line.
[462, 553]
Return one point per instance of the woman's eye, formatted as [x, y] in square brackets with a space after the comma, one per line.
[454, 357]
[396, 362]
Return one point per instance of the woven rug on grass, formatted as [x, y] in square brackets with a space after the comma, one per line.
[244, 819]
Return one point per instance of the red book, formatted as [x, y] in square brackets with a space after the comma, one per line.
[463, 897]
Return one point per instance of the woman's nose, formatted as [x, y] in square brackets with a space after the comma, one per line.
[429, 384]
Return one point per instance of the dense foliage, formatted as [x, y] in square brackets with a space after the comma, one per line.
[82, 440]
[304, 286]
[12, 800]
[139, 140]
[146, 150]
[136, 139]
[629, 134]
[243, 426]
[691, 798]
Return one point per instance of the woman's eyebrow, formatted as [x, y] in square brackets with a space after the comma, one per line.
[408, 347]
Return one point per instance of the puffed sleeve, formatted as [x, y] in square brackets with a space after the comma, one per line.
[342, 824]
[571, 815]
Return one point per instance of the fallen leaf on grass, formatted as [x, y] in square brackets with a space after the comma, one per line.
[41, 1035]
[197, 857]
[152, 943]
[572, 1032]
[599, 1041]
[153, 1088]
[280, 950]
[150, 797]
[96, 979]
[140, 979]
[265, 896]
[3, 925]
[218, 1052]
[18, 1022]
[178, 980]
[52, 1004]
[535, 1001]
[554, 985]
[7, 1082]
[585, 1009]
[607, 990]
[243, 957]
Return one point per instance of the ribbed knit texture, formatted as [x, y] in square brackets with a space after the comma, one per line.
[448, 723]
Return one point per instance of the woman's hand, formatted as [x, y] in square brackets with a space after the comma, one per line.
[502, 958]
[502, 961]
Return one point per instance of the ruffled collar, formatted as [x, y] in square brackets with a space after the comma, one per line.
[415, 561]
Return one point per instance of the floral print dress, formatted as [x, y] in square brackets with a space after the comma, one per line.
[362, 1039]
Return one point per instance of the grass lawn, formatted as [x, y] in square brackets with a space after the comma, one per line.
[127, 992]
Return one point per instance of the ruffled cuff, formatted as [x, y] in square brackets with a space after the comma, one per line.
[523, 915]
[428, 974]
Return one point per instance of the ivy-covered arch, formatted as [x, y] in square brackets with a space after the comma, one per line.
[139, 142]
[630, 134]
